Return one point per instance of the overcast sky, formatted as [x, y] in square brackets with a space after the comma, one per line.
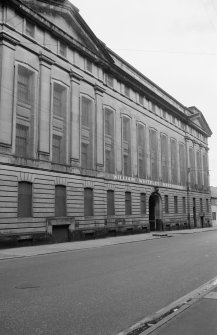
[172, 42]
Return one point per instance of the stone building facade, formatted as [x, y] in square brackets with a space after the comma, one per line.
[87, 142]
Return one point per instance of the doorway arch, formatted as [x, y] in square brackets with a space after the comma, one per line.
[155, 212]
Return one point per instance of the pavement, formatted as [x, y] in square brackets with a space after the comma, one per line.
[193, 314]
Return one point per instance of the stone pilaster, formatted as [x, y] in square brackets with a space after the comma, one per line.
[7, 59]
[75, 118]
[44, 107]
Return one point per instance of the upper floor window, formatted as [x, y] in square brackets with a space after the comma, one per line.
[86, 117]
[21, 144]
[62, 49]
[126, 146]
[153, 153]
[89, 66]
[141, 150]
[164, 114]
[109, 141]
[174, 165]
[127, 91]
[109, 80]
[30, 29]
[173, 119]
[24, 85]
[59, 99]
[56, 148]
[140, 99]
[86, 133]
[164, 158]
[24, 199]
[60, 200]
[88, 202]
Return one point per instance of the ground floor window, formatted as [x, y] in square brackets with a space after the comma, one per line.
[24, 199]
[88, 202]
[128, 203]
[60, 200]
[110, 202]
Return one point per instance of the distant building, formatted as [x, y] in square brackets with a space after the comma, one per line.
[214, 205]
[86, 140]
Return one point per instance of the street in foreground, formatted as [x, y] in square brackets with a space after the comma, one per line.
[102, 291]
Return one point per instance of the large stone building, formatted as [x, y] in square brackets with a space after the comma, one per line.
[87, 141]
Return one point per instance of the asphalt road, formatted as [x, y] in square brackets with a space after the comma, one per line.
[102, 291]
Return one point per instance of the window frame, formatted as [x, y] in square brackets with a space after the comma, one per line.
[23, 200]
[88, 202]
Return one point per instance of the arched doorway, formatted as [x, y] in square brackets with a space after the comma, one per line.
[155, 212]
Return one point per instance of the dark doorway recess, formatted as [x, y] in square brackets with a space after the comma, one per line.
[155, 212]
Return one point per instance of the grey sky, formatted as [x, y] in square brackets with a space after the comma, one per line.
[172, 42]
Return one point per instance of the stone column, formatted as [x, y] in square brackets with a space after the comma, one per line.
[99, 128]
[7, 59]
[44, 107]
[75, 118]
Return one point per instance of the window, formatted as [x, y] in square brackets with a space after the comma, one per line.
[201, 204]
[21, 140]
[86, 134]
[60, 200]
[164, 158]
[62, 49]
[127, 91]
[126, 146]
[175, 204]
[199, 170]
[141, 151]
[109, 122]
[153, 154]
[88, 66]
[56, 149]
[166, 204]
[205, 170]
[128, 205]
[173, 119]
[110, 202]
[24, 85]
[214, 216]
[24, 199]
[182, 164]
[183, 205]
[143, 203]
[164, 114]
[192, 166]
[30, 29]
[59, 100]
[207, 205]
[140, 99]
[88, 202]
[109, 80]
[174, 166]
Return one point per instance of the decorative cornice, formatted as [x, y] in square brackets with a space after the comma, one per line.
[99, 89]
[46, 59]
[7, 37]
[75, 76]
